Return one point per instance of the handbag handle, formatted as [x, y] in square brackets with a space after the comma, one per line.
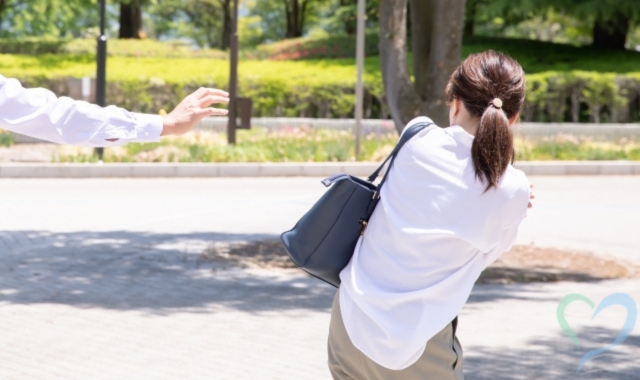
[406, 136]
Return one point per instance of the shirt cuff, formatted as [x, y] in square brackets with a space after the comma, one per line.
[149, 127]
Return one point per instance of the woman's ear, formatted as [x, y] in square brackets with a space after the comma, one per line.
[454, 111]
[514, 118]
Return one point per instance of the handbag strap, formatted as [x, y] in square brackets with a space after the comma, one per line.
[406, 136]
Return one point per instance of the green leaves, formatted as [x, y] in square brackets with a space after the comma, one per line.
[52, 18]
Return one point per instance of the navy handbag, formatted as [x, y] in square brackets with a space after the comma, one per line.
[323, 241]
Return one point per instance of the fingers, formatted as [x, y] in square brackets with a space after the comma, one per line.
[203, 92]
[212, 112]
[530, 205]
[212, 99]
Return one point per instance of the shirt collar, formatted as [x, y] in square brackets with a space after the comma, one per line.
[460, 135]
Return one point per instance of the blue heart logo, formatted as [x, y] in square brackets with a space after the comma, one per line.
[613, 299]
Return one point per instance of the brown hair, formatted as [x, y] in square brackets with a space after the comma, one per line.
[491, 86]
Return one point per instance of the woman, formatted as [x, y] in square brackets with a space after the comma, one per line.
[451, 206]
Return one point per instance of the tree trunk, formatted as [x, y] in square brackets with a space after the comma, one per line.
[130, 20]
[437, 40]
[611, 33]
[296, 12]
[3, 6]
[470, 17]
[349, 24]
[226, 24]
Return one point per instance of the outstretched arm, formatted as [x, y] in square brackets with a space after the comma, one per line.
[39, 113]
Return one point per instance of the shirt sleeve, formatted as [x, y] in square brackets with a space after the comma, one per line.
[517, 215]
[509, 236]
[39, 113]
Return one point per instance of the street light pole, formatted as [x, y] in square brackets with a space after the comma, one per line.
[233, 76]
[101, 72]
[360, 65]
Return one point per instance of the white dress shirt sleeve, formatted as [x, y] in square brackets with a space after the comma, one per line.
[39, 113]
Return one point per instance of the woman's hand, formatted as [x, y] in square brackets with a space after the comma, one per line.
[531, 196]
[192, 109]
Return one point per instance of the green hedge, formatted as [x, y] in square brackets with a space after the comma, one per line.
[551, 97]
[116, 47]
[581, 96]
[315, 88]
[295, 89]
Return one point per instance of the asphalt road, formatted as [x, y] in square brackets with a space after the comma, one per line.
[105, 279]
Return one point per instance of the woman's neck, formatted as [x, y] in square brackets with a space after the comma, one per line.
[470, 125]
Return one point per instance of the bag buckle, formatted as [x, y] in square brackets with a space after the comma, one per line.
[364, 226]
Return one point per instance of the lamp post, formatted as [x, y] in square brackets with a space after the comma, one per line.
[236, 103]
[360, 65]
[101, 72]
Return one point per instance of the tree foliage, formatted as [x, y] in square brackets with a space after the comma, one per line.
[47, 18]
[610, 20]
[206, 22]
[344, 15]
[280, 19]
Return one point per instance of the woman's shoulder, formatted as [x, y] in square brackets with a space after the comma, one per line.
[419, 120]
[515, 182]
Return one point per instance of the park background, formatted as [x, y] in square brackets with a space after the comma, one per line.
[298, 61]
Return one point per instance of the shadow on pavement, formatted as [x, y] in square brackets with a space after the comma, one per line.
[158, 273]
[556, 358]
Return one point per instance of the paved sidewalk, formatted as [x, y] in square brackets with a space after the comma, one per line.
[104, 279]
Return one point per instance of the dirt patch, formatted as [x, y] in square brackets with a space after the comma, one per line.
[520, 264]
[536, 264]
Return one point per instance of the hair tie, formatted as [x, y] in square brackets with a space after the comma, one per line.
[497, 102]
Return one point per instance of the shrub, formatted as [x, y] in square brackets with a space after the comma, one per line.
[6, 138]
[341, 46]
[32, 46]
[306, 89]
[115, 47]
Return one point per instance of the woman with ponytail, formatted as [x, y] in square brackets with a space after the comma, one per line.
[450, 207]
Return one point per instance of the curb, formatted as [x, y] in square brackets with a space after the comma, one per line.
[151, 170]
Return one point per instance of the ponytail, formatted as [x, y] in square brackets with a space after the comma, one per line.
[491, 86]
[492, 150]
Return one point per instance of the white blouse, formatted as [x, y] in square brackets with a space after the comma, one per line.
[432, 233]
[39, 113]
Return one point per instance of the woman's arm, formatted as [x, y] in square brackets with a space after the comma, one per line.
[39, 113]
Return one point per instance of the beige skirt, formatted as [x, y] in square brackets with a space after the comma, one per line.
[441, 360]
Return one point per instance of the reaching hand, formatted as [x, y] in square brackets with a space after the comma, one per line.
[192, 109]
[531, 196]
